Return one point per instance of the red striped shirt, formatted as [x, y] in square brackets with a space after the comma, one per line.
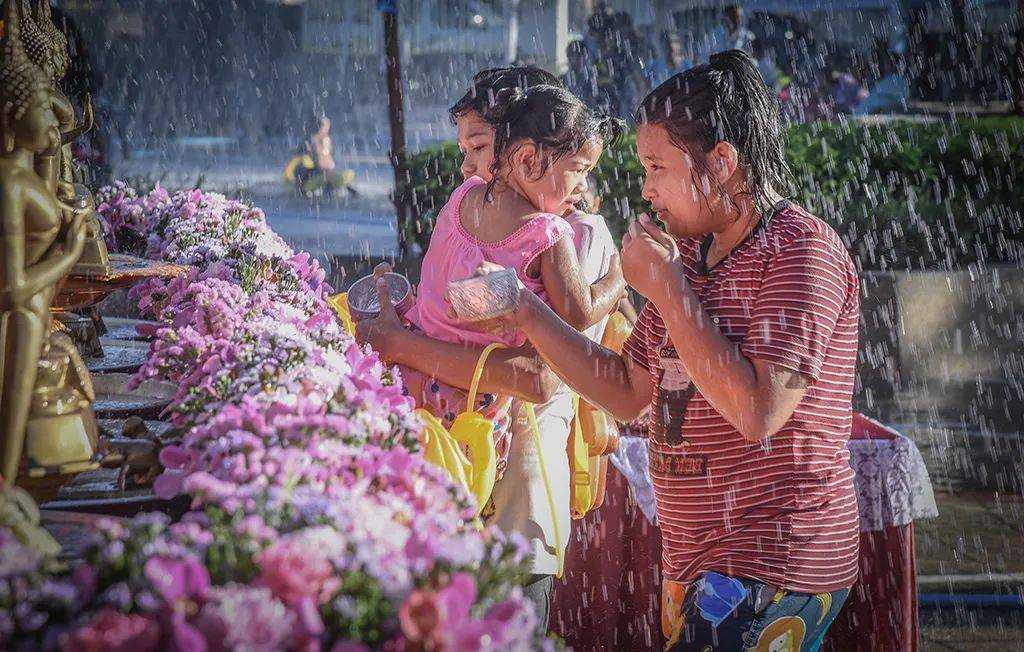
[781, 511]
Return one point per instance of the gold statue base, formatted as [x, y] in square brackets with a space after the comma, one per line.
[62, 436]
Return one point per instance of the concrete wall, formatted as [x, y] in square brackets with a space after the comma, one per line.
[942, 359]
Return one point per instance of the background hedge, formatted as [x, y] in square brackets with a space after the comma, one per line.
[903, 195]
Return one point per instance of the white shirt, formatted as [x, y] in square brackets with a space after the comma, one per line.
[520, 498]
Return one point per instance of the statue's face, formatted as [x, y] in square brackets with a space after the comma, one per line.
[49, 68]
[38, 130]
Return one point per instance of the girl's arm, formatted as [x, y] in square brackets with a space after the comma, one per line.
[580, 305]
[519, 372]
[609, 380]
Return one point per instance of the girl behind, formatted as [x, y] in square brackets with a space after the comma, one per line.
[546, 142]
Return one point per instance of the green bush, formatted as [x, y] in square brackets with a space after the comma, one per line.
[903, 195]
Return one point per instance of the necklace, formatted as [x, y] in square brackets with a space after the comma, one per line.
[762, 223]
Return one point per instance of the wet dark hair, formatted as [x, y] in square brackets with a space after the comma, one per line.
[488, 82]
[726, 100]
[549, 116]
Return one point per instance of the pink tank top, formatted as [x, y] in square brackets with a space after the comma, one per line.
[454, 254]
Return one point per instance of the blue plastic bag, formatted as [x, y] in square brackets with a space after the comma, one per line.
[719, 596]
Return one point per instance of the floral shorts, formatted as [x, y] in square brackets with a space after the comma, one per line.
[446, 403]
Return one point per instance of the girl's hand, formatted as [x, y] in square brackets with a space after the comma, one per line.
[381, 331]
[649, 258]
[501, 325]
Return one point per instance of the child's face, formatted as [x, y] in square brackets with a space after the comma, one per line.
[669, 183]
[476, 142]
[563, 184]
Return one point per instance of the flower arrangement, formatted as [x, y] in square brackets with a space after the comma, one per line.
[315, 522]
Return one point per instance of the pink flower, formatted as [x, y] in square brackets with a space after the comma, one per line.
[245, 618]
[458, 597]
[294, 571]
[185, 637]
[110, 631]
[420, 615]
[85, 580]
[309, 618]
[169, 484]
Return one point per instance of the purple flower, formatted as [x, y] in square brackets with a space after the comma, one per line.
[118, 596]
[184, 636]
[169, 484]
[177, 579]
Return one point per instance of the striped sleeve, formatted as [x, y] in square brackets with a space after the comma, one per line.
[799, 302]
[635, 347]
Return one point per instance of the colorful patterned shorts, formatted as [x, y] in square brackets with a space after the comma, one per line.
[446, 403]
[767, 620]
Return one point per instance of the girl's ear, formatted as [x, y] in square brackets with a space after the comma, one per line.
[525, 160]
[723, 161]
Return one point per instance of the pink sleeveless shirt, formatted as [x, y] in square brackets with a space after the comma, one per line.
[454, 254]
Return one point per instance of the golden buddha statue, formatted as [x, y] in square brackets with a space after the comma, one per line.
[62, 433]
[58, 42]
[40, 240]
[46, 46]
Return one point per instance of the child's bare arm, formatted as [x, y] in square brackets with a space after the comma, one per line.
[579, 304]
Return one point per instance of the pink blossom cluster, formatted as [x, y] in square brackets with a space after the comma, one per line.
[250, 320]
[380, 560]
[380, 556]
[315, 523]
[194, 227]
[125, 218]
[255, 445]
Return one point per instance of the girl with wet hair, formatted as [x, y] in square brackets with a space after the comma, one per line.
[475, 134]
[487, 83]
[550, 120]
[546, 143]
[519, 502]
[743, 358]
[724, 101]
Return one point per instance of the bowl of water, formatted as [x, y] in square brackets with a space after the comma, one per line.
[363, 302]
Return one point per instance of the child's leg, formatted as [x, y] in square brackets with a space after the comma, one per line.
[414, 383]
[440, 399]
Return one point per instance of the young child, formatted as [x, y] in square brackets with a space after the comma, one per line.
[545, 144]
[475, 134]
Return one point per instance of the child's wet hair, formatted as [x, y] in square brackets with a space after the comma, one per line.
[726, 100]
[551, 117]
[488, 82]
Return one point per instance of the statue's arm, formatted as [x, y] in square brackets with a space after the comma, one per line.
[13, 284]
[62, 254]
